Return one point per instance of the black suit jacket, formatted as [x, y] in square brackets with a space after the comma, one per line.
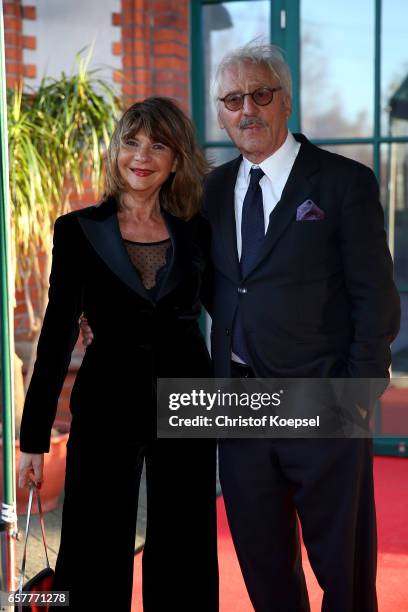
[135, 339]
[320, 300]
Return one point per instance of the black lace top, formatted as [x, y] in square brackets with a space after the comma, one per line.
[151, 260]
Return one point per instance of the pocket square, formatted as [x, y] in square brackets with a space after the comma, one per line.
[309, 211]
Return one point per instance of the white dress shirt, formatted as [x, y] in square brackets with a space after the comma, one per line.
[277, 168]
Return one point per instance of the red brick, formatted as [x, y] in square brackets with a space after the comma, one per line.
[20, 325]
[13, 81]
[117, 48]
[135, 91]
[171, 90]
[171, 76]
[166, 35]
[117, 76]
[167, 7]
[177, 37]
[116, 19]
[87, 182]
[30, 71]
[29, 42]
[135, 15]
[135, 61]
[138, 82]
[13, 68]
[11, 8]
[129, 89]
[12, 23]
[34, 294]
[14, 53]
[131, 5]
[135, 46]
[12, 38]
[140, 75]
[20, 309]
[171, 20]
[169, 48]
[184, 38]
[170, 63]
[165, 19]
[20, 314]
[20, 330]
[19, 296]
[29, 12]
[184, 105]
[88, 198]
[184, 9]
[135, 33]
[82, 204]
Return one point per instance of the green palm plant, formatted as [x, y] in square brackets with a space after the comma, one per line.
[58, 135]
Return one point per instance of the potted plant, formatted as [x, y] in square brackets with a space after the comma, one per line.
[57, 138]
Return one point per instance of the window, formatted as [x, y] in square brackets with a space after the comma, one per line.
[349, 64]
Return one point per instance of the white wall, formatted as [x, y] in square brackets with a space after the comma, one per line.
[63, 27]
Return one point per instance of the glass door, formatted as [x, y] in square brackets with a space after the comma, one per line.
[349, 65]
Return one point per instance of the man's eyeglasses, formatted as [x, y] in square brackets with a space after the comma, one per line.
[261, 96]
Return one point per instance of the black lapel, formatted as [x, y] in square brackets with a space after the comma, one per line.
[296, 191]
[227, 225]
[101, 227]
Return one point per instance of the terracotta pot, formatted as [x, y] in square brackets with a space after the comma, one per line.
[54, 473]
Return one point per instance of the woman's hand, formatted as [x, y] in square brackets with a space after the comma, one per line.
[30, 469]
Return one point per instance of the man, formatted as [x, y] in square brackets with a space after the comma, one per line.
[302, 287]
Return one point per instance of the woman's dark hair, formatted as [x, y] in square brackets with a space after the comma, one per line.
[162, 121]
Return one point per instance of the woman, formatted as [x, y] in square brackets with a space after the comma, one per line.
[134, 262]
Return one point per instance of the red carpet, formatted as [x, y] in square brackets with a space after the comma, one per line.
[391, 490]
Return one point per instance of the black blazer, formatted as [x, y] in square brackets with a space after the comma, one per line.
[135, 339]
[320, 300]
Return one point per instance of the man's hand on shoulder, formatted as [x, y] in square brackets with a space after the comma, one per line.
[86, 331]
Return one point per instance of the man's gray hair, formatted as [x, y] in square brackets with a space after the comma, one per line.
[259, 53]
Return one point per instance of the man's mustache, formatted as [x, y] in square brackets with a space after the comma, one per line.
[247, 121]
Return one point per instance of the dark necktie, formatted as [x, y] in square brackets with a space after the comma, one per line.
[252, 234]
[252, 223]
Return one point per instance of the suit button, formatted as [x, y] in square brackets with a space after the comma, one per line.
[242, 290]
[227, 331]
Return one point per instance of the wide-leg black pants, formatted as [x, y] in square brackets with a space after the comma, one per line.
[96, 556]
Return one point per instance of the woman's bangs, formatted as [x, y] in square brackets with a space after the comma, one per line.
[151, 127]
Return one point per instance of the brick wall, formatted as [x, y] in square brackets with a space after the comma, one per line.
[154, 48]
[15, 41]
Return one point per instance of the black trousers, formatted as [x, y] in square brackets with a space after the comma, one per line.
[328, 484]
[96, 555]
